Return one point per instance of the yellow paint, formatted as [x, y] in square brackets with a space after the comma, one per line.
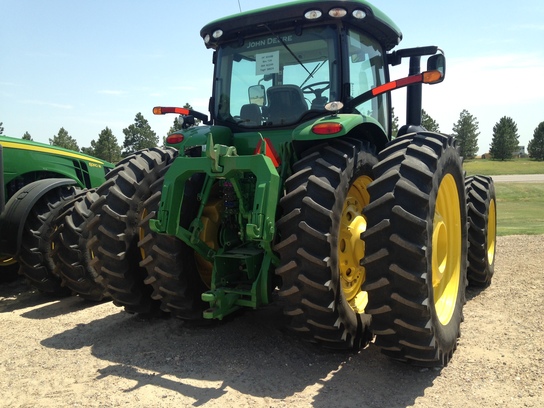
[19, 146]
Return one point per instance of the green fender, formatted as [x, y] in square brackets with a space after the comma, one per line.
[349, 122]
[198, 136]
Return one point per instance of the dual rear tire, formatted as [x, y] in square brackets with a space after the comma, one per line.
[357, 238]
[482, 214]
[416, 249]
[114, 229]
[70, 255]
[320, 244]
[35, 255]
[144, 272]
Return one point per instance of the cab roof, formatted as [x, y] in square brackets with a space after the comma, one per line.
[284, 16]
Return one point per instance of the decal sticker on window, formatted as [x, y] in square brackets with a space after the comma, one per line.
[268, 63]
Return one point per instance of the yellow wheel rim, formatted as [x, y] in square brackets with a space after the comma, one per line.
[446, 249]
[351, 249]
[491, 232]
[7, 261]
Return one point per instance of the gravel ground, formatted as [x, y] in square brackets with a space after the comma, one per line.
[72, 353]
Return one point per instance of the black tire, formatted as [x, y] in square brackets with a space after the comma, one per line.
[482, 229]
[9, 270]
[71, 256]
[114, 229]
[319, 263]
[170, 263]
[416, 249]
[34, 257]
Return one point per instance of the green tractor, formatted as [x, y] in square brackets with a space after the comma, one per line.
[40, 184]
[295, 190]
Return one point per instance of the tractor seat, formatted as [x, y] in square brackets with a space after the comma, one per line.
[286, 104]
[251, 115]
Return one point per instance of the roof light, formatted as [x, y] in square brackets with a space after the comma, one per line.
[358, 14]
[174, 138]
[313, 14]
[207, 38]
[334, 106]
[327, 128]
[337, 12]
[217, 33]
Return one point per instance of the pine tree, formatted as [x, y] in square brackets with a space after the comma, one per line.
[63, 139]
[536, 144]
[88, 150]
[27, 136]
[188, 106]
[429, 123]
[394, 123]
[139, 136]
[505, 139]
[106, 147]
[178, 122]
[466, 132]
[176, 126]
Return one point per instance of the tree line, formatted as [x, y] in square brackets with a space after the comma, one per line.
[504, 143]
[139, 135]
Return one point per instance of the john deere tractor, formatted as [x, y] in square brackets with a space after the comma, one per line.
[39, 186]
[294, 189]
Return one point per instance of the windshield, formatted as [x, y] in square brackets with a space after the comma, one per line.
[274, 80]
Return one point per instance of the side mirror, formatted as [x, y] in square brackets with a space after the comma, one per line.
[257, 95]
[437, 62]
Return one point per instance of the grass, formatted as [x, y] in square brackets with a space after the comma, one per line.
[496, 167]
[520, 208]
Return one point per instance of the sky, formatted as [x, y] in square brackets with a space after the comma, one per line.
[88, 65]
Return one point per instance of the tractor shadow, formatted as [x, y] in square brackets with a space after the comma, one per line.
[251, 353]
[473, 292]
[20, 295]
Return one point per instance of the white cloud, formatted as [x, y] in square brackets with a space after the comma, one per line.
[489, 87]
[50, 104]
[497, 80]
[530, 27]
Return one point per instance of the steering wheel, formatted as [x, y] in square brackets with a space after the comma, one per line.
[312, 88]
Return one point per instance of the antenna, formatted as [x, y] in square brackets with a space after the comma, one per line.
[239, 6]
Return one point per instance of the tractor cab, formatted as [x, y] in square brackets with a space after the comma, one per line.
[286, 70]
[311, 59]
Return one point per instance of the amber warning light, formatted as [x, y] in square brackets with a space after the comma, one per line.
[162, 110]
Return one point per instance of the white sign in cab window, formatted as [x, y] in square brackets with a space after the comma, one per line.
[268, 63]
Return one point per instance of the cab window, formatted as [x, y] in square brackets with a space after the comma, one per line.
[366, 71]
[276, 80]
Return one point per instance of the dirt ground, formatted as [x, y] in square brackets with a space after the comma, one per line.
[71, 353]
